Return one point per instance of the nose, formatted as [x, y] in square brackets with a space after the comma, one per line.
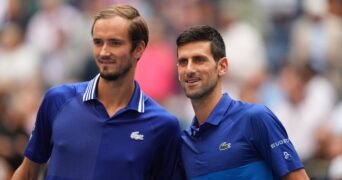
[104, 52]
[190, 67]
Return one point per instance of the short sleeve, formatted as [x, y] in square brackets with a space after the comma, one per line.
[271, 140]
[39, 146]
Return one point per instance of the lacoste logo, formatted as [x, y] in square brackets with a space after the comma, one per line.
[224, 146]
[136, 136]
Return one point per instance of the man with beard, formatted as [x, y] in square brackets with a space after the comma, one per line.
[106, 128]
[228, 139]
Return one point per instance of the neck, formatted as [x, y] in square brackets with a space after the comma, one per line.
[205, 105]
[115, 95]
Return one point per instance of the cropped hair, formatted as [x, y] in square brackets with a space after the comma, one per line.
[138, 30]
[204, 33]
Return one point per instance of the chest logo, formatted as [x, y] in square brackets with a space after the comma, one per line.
[136, 136]
[224, 146]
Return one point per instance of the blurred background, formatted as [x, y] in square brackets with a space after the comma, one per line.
[286, 54]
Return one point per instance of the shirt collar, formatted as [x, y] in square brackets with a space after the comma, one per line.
[90, 92]
[215, 117]
[137, 101]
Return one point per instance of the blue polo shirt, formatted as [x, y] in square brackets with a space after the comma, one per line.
[238, 141]
[75, 134]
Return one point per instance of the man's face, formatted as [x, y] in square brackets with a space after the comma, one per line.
[112, 48]
[198, 72]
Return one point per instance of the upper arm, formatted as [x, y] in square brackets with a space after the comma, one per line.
[271, 141]
[40, 145]
[298, 174]
[28, 170]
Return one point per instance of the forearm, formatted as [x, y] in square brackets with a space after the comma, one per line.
[28, 170]
[299, 174]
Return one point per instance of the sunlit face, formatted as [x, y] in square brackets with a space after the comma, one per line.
[112, 48]
[198, 72]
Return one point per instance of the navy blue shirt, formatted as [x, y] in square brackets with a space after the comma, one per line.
[238, 141]
[75, 134]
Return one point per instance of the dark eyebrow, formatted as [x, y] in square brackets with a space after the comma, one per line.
[181, 58]
[199, 57]
[115, 40]
[96, 40]
[110, 39]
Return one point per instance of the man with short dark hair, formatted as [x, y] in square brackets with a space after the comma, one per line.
[228, 139]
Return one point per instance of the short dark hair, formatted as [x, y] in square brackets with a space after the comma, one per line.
[138, 31]
[204, 33]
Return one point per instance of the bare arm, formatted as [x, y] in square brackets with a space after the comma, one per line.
[28, 170]
[299, 174]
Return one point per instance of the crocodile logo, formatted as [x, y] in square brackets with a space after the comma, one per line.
[136, 136]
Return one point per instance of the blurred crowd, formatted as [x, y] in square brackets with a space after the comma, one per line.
[286, 54]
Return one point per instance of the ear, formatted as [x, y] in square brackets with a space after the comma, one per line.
[139, 50]
[222, 66]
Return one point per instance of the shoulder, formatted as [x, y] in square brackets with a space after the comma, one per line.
[255, 113]
[249, 109]
[62, 93]
[261, 119]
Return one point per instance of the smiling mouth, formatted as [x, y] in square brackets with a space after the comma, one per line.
[192, 81]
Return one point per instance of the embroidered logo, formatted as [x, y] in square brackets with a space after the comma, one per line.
[279, 143]
[224, 146]
[287, 155]
[136, 136]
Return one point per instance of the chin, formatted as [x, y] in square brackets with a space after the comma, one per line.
[193, 95]
[109, 76]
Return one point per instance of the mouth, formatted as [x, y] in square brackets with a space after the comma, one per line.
[192, 81]
[106, 61]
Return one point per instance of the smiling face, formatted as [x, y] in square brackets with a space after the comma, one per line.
[112, 48]
[198, 72]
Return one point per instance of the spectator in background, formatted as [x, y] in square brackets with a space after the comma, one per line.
[308, 100]
[246, 50]
[19, 12]
[178, 14]
[280, 14]
[19, 62]
[20, 67]
[19, 74]
[16, 11]
[55, 31]
[156, 70]
[316, 39]
[328, 161]
[335, 154]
